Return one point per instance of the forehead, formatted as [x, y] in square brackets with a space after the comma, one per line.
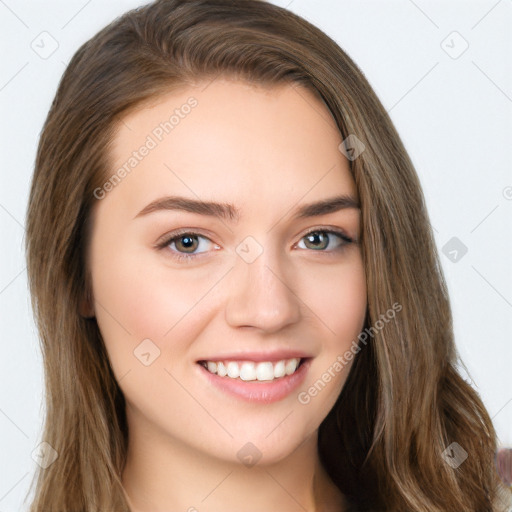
[233, 141]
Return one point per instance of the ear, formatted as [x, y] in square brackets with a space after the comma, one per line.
[86, 306]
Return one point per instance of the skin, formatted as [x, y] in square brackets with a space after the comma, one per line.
[267, 151]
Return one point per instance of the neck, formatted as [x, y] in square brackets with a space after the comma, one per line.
[163, 474]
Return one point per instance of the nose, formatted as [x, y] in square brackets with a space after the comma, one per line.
[261, 295]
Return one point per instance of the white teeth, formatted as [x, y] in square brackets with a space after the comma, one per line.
[291, 366]
[221, 370]
[265, 371]
[279, 370]
[233, 370]
[248, 370]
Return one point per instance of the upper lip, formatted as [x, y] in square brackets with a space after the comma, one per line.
[275, 355]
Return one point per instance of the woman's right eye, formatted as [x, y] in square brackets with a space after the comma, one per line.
[187, 241]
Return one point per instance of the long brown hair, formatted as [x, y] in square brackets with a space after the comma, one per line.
[404, 402]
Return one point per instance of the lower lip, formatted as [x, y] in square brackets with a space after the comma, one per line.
[264, 392]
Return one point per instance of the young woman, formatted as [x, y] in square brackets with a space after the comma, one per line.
[239, 297]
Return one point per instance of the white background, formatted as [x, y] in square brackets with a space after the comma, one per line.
[453, 114]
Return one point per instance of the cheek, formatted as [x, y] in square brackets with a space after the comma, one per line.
[138, 298]
[339, 303]
[338, 298]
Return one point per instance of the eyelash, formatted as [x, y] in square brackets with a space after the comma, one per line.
[188, 257]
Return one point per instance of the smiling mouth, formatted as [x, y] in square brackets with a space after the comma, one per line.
[254, 371]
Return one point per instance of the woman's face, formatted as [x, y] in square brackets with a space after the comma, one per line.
[178, 286]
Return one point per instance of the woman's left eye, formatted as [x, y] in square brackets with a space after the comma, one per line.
[190, 242]
[320, 237]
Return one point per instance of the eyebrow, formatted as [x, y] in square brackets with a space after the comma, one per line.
[231, 212]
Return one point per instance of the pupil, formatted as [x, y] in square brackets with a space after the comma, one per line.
[189, 241]
[312, 237]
